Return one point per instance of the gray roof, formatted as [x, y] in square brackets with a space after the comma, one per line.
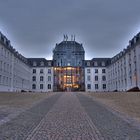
[72, 45]
[62, 46]
[98, 62]
[132, 44]
[40, 62]
[6, 43]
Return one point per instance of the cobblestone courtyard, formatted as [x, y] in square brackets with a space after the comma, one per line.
[68, 116]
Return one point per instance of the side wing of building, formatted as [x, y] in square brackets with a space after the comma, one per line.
[41, 74]
[96, 74]
[14, 69]
[124, 70]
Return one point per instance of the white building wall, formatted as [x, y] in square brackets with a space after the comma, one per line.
[21, 75]
[5, 68]
[121, 75]
[124, 72]
[92, 80]
[47, 79]
[138, 65]
[14, 73]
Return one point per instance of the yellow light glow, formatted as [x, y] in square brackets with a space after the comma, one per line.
[67, 76]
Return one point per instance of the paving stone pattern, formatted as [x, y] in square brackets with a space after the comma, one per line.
[3, 115]
[20, 127]
[68, 116]
[110, 125]
[67, 120]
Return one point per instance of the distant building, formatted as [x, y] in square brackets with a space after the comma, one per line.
[41, 74]
[68, 58]
[68, 53]
[96, 74]
[69, 71]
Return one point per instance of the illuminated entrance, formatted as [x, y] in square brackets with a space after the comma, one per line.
[68, 78]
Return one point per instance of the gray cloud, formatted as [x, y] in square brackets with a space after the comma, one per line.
[104, 27]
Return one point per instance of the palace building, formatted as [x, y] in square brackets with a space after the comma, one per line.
[68, 58]
[68, 70]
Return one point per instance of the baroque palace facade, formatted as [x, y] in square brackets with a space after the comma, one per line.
[69, 71]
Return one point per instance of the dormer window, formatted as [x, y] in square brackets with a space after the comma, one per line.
[95, 64]
[103, 63]
[88, 63]
[41, 63]
[49, 63]
[34, 63]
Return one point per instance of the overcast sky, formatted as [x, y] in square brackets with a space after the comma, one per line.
[104, 27]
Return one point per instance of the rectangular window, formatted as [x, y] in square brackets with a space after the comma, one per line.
[104, 78]
[34, 78]
[96, 78]
[88, 86]
[103, 71]
[49, 78]
[41, 86]
[88, 70]
[49, 71]
[88, 78]
[41, 70]
[4, 67]
[7, 67]
[0, 65]
[34, 70]
[9, 81]
[41, 78]
[96, 86]
[0, 79]
[3, 80]
[49, 86]
[6, 80]
[33, 86]
[10, 69]
[96, 70]
[104, 86]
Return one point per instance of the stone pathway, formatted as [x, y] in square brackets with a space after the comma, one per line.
[110, 125]
[21, 126]
[68, 116]
[67, 120]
